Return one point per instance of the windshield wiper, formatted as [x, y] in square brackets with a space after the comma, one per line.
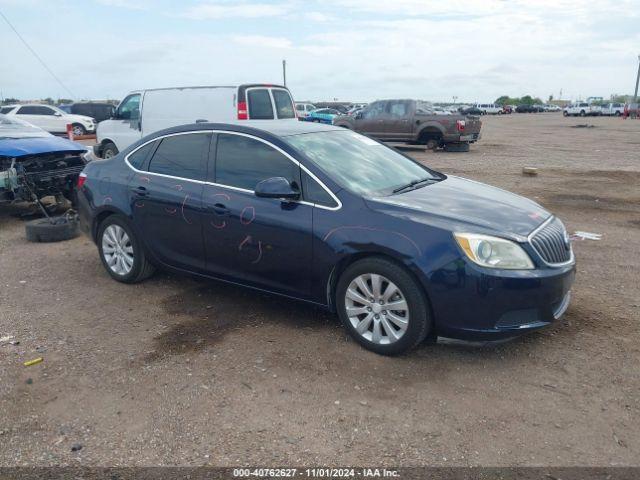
[412, 184]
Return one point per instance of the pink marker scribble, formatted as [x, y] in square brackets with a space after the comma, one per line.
[107, 200]
[222, 225]
[534, 215]
[171, 211]
[246, 240]
[372, 229]
[144, 179]
[223, 195]
[243, 242]
[182, 209]
[139, 204]
[178, 187]
[259, 253]
[243, 218]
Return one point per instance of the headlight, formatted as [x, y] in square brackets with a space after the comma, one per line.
[493, 252]
[89, 156]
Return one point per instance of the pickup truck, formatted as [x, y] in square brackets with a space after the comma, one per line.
[413, 121]
[582, 109]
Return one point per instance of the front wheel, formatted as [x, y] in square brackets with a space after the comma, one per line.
[121, 253]
[382, 306]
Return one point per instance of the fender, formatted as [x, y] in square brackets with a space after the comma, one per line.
[430, 125]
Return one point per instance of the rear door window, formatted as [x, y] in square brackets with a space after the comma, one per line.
[6, 109]
[259, 102]
[182, 156]
[137, 158]
[242, 162]
[284, 105]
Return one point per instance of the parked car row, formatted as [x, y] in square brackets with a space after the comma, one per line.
[584, 109]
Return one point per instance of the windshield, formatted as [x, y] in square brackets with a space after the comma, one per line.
[358, 163]
[16, 128]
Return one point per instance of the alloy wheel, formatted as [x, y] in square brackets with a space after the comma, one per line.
[117, 250]
[377, 309]
[78, 131]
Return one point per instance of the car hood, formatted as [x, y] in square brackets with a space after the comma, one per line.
[79, 118]
[21, 147]
[459, 204]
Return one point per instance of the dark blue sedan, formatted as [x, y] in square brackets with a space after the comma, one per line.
[325, 215]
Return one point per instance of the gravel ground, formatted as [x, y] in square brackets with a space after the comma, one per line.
[177, 371]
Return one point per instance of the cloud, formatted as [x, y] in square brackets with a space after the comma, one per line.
[215, 11]
[262, 40]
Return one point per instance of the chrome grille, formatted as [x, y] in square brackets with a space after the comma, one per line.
[552, 243]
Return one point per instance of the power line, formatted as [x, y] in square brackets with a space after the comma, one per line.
[36, 55]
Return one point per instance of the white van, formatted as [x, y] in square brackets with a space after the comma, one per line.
[146, 111]
[489, 108]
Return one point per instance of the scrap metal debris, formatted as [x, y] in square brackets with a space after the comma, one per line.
[35, 361]
[579, 235]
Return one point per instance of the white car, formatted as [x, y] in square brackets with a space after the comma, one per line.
[304, 109]
[146, 111]
[582, 109]
[489, 108]
[551, 108]
[613, 109]
[50, 118]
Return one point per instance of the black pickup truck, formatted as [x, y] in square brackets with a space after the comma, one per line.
[413, 121]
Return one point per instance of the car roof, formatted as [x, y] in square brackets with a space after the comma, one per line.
[279, 128]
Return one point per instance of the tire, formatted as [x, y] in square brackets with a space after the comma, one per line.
[78, 130]
[55, 229]
[140, 268]
[564, 113]
[583, 113]
[409, 294]
[456, 147]
[618, 113]
[109, 150]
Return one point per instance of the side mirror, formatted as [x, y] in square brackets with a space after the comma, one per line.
[358, 115]
[276, 187]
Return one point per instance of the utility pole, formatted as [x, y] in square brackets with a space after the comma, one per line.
[284, 72]
[635, 95]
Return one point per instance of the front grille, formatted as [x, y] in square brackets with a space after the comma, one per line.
[47, 175]
[551, 243]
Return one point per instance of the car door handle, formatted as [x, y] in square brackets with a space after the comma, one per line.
[140, 191]
[220, 209]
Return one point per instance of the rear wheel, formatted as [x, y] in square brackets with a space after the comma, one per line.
[382, 306]
[78, 130]
[121, 252]
[583, 113]
[109, 150]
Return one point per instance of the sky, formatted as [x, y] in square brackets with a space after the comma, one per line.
[349, 50]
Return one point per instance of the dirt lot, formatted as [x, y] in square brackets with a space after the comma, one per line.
[176, 371]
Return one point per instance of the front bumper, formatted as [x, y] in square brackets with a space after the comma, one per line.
[473, 303]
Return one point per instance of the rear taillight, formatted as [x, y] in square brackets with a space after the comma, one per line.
[81, 179]
[460, 125]
[242, 111]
